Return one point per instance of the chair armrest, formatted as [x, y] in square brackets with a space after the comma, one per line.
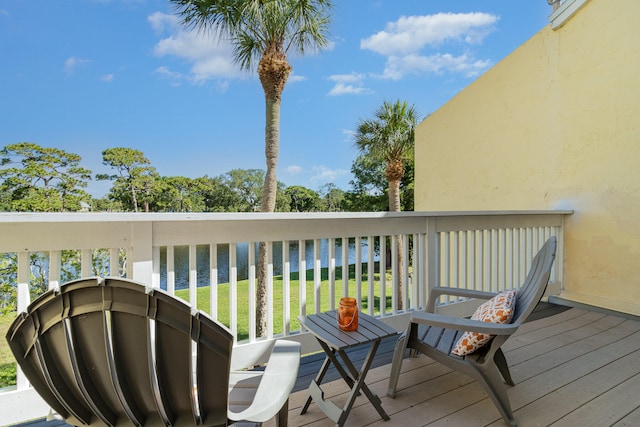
[275, 385]
[460, 324]
[438, 291]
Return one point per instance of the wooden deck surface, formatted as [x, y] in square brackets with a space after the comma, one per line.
[572, 367]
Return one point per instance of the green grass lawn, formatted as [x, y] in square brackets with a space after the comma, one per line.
[7, 362]
[203, 293]
[8, 365]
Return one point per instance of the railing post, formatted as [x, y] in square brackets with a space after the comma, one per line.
[432, 257]
[141, 263]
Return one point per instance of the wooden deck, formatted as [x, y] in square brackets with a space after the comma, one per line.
[572, 367]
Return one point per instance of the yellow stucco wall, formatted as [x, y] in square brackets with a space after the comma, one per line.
[555, 125]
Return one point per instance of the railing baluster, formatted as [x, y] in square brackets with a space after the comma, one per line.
[171, 271]
[155, 275]
[405, 271]
[233, 290]
[54, 269]
[286, 289]
[193, 276]
[251, 261]
[345, 266]
[317, 278]
[332, 272]
[213, 280]
[269, 290]
[302, 276]
[358, 264]
[382, 269]
[370, 275]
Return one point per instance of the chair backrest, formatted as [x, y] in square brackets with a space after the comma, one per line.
[109, 352]
[536, 281]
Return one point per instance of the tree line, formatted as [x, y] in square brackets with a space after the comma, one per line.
[43, 179]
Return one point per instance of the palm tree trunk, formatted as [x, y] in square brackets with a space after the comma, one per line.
[269, 192]
[394, 206]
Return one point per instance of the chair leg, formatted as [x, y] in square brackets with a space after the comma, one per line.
[282, 418]
[491, 379]
[501, 363]
[396, 364]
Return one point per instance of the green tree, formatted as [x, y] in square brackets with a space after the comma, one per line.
[389, 139]
[40, 179]
[216, 194]
[135, 178]
[369, 188]
[303, 199]
[246, 186]
[265, 31]
[178, 194]
[333, 198]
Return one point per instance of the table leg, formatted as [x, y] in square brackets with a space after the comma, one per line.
[330, 358]
[360, 384]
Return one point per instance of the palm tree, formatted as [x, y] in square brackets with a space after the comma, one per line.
[264, 31]
[389, 138]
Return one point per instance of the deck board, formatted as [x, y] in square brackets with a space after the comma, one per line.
[571, 367]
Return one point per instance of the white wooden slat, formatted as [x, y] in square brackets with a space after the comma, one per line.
[252, 290]
[405, 271]
[213, 280]
[493, 283]
[473, 278]
[422, 269]
[302, 276]
[317, 277]
[383, 275]
[54, 269]
[370, 275]
[394, 275]
[446, 263]
[233, 290]
[86, 263]
[345, 266]
[270, 304]
[332, 272]
[193, 276]
[114, 262]
[481, 260]
[155, 276]
[286, 288]
[171, 272]
[358, 264]
[416, 273]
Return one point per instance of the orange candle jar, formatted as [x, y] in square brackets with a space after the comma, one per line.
[348, 314]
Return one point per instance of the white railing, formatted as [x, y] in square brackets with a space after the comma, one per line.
[479, 250]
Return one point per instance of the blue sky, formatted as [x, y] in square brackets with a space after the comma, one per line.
[86, 75]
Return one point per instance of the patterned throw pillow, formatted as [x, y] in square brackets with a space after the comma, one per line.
[498, 309]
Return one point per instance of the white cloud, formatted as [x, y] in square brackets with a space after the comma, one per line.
[324, 174]
[404, 41]
[348, 84]
[73, 62]
[293, 169]
[410, 34]
[107, 78]
[210, 57]
[397, 67]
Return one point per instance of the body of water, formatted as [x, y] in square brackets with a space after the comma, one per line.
[181, 260]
